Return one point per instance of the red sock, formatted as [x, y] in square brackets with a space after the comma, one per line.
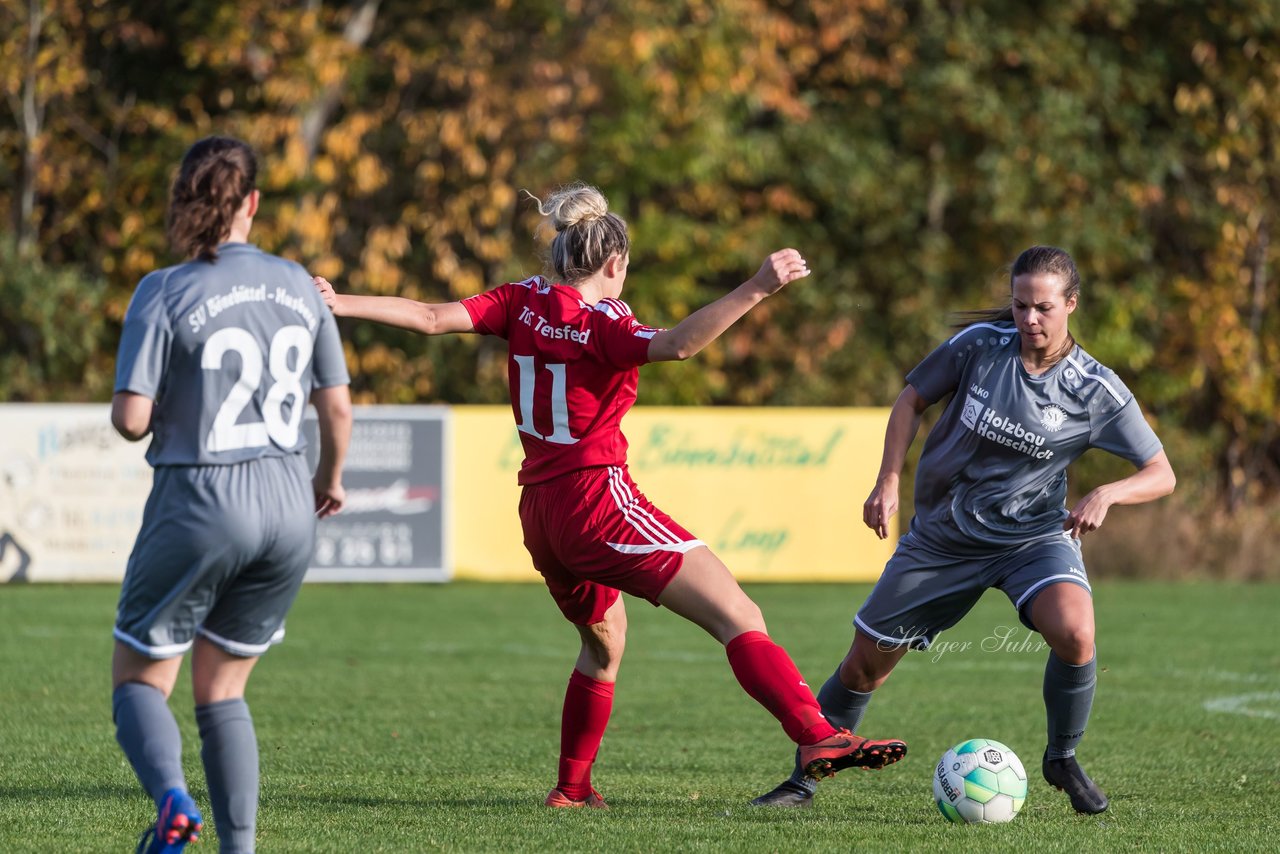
[770, 676]
[587, 704]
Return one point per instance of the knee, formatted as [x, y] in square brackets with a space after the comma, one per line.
[610, 655]
[864, 672]
[857, 676]
[1074, 644]
[603, 647]
[749, 616]
[741, 617]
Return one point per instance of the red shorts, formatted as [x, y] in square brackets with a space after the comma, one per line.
[592, 533]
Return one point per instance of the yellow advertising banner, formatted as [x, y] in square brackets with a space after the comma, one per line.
[776, 492]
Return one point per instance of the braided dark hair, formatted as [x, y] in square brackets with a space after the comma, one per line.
[216, 175]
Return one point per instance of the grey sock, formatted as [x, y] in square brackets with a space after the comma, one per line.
[1068, 697]
[230, 753]
[149, 737]
[843, 708]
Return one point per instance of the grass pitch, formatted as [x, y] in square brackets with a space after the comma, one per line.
[425, 718]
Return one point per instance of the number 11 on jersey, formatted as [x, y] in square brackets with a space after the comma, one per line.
[559, 401]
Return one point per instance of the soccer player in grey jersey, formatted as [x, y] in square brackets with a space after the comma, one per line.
[217, 361]
[990, 506]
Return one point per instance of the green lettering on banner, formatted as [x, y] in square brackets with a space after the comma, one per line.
[513, 454]
[664, 446]
[735, 536]
[667, 447]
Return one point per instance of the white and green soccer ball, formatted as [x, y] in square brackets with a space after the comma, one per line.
[979, 781]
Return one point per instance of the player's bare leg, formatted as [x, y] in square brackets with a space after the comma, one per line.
[588, 704]
[868, 663]
[1063, 614]
[705, 592]
[603, 644]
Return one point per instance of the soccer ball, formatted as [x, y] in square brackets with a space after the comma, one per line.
[979, 781]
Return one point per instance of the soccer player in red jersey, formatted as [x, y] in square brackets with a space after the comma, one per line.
[574, 352]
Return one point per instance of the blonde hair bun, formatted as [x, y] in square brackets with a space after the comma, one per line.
[573, 204]
[586, 233]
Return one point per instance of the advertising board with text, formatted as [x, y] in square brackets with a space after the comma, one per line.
[394, 526]
[776, 492]
[72, 492]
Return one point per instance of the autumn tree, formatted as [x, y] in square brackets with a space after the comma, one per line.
[910, 150]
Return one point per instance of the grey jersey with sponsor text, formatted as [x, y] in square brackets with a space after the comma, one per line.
[993, 471]
[229, 351]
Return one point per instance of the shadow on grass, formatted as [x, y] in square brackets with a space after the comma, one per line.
[354, 800]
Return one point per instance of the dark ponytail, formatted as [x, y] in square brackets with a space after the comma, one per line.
[216, 176]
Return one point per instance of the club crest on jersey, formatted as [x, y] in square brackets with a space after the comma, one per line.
[1052, 417]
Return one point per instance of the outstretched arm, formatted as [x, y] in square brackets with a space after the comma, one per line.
[707, 324]
[1153, 479]
[426, 318]
[904, 423]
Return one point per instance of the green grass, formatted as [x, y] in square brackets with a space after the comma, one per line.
[412, 718]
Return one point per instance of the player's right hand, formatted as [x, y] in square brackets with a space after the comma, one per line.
[880, 506]
[780, 269]
[327, 293]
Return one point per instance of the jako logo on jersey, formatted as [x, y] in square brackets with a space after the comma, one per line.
[1052, 418]
[984, 421]
[543, 327]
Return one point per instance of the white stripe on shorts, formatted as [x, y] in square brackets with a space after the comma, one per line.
[682, 548]
[1042, 582]
[617, 490]
[923, 640]
[247, 650]
[166, 651]
[639, 518]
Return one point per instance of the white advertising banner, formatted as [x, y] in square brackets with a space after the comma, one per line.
[71, 493]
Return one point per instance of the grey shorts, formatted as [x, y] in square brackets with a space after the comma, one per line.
[222, 552]
[924, 592]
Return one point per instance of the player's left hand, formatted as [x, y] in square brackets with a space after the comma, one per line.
[780, 269]
[1088, 513]
[329, 498]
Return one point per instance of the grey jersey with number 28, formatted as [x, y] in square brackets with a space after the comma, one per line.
[992, 475]
[230, 352]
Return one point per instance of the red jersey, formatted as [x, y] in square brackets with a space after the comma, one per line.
[572, 371]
